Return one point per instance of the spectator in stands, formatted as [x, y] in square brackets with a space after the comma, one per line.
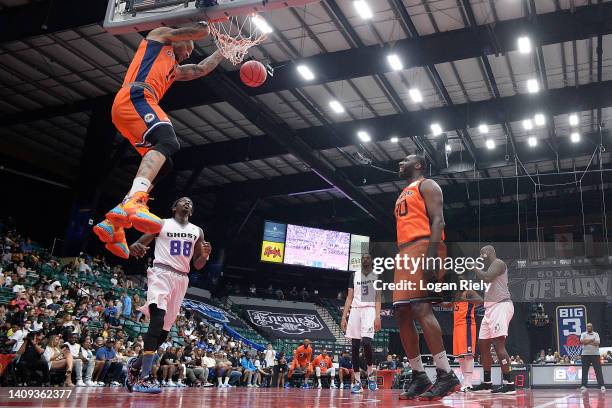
[305, 295]
[17, 336]
[608, 357]
[550, 357]
[388, 364]
[270, 291]
[79, 362]
[180, 367]
[405, 363]
[280, 369]
[253, 290]
[224, 371]
[196, 370]
[209, 362]
[31, 357]
[59, 358]
[270, 356]
[21, 270]
[84, 268]
[168, 366]
[112, 368]
[279, 294]
[345, 368]
[18, 287]
[264, 372]
[293, 293]
[541, 359]
[94, 366]
[249, 370]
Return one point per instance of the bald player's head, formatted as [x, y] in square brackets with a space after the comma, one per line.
[487, 253]
[412, 166]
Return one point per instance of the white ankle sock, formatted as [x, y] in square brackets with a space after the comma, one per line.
[416, 363]
[140, 184]
[441, 361]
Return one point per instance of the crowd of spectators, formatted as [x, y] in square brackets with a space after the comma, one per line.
[550, 357]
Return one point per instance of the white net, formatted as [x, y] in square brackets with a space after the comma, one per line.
[573, 351]
[234, 35]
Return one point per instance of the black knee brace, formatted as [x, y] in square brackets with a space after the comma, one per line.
[164, 140]
[355, 343]
[156, 324]
[163, 335]
[367, 350]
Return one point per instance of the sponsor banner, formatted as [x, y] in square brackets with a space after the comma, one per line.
[572, 374]
[561, 283]
[272, 251]
[210, 312]
[284, 323]
[571, 323]
[274, 231]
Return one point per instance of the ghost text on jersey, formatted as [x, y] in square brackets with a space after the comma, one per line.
[181, 235]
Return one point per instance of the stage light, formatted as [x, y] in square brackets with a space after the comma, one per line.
[483, 129]
[261, 24]
[573, 120]
[415, 95]
[305, 72]
[540, 119]
[363, 9]
[490, 144]
[448, 148]
[336, 106]
[364, 136]
[532, 141]
[524, 45]
[394, 139]
[575, 137]
[533, 86]
[436, 129]
[395, 62]
[527, 124]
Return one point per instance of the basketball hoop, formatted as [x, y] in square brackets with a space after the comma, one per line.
[234, 35]
[572, 346]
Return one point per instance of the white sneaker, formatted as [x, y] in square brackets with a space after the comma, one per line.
[80, 383]
[115, 384]
[180, 384]
[91, 383]
[170, 384]
[583, 388]
[333, 386]
[249, 385]
[603, 389]
[101, 384]
[207, 384]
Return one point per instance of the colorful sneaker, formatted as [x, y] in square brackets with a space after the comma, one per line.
[146, 386]
[445, 384]
[139, 215]
[119, 217]
[419, 383]
[119, 249]
[356, 389]
[305, 386]
[132, 375]
[107, 232]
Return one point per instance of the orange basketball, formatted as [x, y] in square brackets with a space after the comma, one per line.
[253, 73]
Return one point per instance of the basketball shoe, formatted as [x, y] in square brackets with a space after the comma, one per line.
[113, 237]
[504, 389]
[482, 387]
[445, 384]
[419, 383]
[134, 211]
[146, 385]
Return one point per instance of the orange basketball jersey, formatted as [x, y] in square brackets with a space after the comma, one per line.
[303, 355]
[464, 313]
[323, 362]
[154, 64]
[411, 215]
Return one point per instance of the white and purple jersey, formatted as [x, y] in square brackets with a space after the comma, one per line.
[174, 245]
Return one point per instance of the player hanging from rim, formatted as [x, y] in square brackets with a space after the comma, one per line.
[362, 307]
[420, 234]
[176, 244]
[464, 332]
[138, 117]
[494, 327]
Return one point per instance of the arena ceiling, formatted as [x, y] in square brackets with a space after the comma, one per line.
[284, 145]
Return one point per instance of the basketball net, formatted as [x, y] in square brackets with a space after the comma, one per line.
[572, 346]
[234, 35]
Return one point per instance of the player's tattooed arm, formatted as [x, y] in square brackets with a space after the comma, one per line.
[497, 268]
[189, 72]
[347, 307]
[169, 35]
[201, 252]
[139, 248]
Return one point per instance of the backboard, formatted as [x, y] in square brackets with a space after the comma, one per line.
[123, 16]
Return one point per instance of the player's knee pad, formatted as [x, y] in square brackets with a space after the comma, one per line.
[156, 324]
[164, 140]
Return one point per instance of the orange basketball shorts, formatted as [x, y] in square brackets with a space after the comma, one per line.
[303, 366]
[135, 113]
[414, 273]
[464, 339]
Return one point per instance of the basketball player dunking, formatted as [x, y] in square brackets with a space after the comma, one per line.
[138, 117]
[420, 234]
[494, 327]
[362, 307]
[176, 244]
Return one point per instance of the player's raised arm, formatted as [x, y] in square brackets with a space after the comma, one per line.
[201, 252]
[169, 35]
[139, 248]
[189, 72]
